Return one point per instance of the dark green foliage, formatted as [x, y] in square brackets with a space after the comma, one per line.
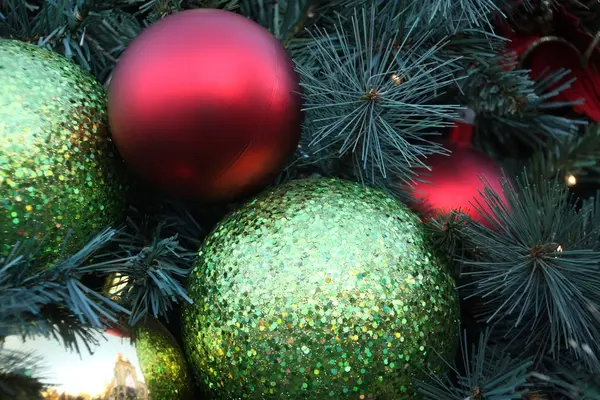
[285, 19]
[151, 277]
[94, 33]
[446, 233]
[577, 155]
[576, 379]
[489, 374]
[512, 106]
[474, 12]
[577, 384]
[537, 275]
[154, 10]
[53, 300]
[593, 205]
[157, 252]
[19, 378]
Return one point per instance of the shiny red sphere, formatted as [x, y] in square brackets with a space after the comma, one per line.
[455, 182]
[205, 104]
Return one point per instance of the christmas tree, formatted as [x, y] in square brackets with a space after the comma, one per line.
[479, 115]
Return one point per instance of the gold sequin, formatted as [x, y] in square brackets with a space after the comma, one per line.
[162, 363]
[320, 265]
[55, 152]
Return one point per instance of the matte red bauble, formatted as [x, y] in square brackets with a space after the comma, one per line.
[206, 104]
[455, 182]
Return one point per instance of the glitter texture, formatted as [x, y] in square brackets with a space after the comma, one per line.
[58, 167]
[318, 289]
[162, 363]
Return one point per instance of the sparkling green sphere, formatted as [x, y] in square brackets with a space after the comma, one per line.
[318, 289]
[162, 363]
[58, 166]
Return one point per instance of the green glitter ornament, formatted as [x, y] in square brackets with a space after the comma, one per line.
[319, 289]
[58, 166]
[162, 363]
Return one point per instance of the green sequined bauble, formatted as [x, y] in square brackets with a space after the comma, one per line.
[319, 289]
[58, 166]
[162, 363]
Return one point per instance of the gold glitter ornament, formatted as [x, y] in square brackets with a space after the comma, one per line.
[162, 362]
[317, 289]
[58, 166]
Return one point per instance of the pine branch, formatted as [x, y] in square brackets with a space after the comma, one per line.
[154, 10]
[467, 45]
[107, 33]
[509, 103]
[490, 374]
[478, 13]
[594, 205]
[18, 375]
[578, 386]
[575, 156]
[465, 41]
[14, 18]
[157, 261]
[591, 206]
[538, 275]
[573, 379]
[475, 13]
[512, 106]
[54, 300]
[92, 33]
[150, 281]
[446, 233]
[284, 19]
[372, 99]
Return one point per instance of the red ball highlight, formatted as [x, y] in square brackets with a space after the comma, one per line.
[455, 183]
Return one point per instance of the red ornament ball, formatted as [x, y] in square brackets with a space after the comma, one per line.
[206, 104]
[118, 332]
[455, 182]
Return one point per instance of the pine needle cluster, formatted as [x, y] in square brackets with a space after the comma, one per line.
[488, 373]
[369, 97]
[152, 260]
[537, 272]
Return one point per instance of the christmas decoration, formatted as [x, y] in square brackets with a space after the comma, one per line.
[162, 363]
[562, 35]
[58, 167]
[319, 288]
[455, 182]
[380, 79]
[206, 104]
